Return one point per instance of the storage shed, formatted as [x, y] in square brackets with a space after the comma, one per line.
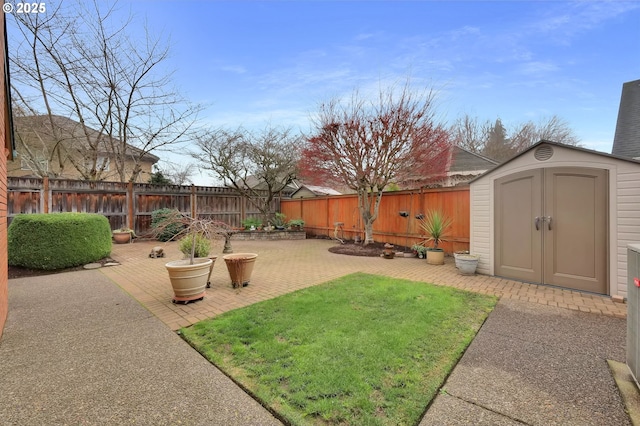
[558, 215]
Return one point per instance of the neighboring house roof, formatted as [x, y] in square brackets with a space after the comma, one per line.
[546, 142]
[72, 130]
[626, 142]
[317, 191]
[467, 161]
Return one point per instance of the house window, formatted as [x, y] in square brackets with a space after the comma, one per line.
[102, 163]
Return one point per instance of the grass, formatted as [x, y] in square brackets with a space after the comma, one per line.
[362, 349]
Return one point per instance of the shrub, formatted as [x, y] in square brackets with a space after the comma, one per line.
[58, 240]
[251, 221]
[203, 245]
[279, 220]
[164, 224]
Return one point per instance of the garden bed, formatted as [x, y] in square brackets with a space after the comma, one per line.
[269, 235]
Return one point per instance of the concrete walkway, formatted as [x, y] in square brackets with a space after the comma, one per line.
[77, 350]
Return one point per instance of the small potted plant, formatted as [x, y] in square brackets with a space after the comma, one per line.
[435, 225]
[467, 263]
[421, 251]
[279, 221]
[252, 223]
[296, 224]
[388, 251]
[123, 235]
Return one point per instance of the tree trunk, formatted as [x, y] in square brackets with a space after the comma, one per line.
[368, 232]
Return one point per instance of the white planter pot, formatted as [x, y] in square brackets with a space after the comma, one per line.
[467, 263]
[189, 282]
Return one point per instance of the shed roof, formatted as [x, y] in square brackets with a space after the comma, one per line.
[571, 147]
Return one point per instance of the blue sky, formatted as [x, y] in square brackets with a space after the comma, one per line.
[259, 62]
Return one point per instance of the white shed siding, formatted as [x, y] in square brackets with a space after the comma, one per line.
[628, 215]
[480, 241]
[624, 206]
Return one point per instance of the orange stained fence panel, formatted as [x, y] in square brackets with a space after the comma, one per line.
[322, 213]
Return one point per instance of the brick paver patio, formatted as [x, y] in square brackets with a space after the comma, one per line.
[286, 266]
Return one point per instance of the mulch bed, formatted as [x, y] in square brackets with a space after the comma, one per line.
[372, 250]
[19, 272]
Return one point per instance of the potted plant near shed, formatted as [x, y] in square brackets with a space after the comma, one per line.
[435, 225]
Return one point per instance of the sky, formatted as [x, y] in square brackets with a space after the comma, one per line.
[260, 63]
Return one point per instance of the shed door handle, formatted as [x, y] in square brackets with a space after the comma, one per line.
[537, 222]
[548, 219]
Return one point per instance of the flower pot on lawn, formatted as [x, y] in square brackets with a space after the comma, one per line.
[240, 266]
[189, 281]
[435, 256]
[467, 263]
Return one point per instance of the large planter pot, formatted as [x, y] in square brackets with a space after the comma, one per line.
[467, 263]
[213, 261]
[240, 266]
[189, 282]
[435, 257]
[121, 237]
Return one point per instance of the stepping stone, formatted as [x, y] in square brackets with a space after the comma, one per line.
[92, 266]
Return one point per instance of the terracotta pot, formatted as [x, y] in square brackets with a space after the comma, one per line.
[240, 266]
[121, 237]
[189, 281]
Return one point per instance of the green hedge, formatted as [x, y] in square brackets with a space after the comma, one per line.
[58, 240]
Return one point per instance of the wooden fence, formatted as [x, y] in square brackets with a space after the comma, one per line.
[321, 215]
[126, 204]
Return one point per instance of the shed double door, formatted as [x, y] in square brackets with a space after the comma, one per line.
[551, 227]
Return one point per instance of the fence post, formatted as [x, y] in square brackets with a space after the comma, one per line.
[45, 195]
[192, 201]
[130, 216]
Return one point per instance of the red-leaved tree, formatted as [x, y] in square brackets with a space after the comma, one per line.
[367, 145]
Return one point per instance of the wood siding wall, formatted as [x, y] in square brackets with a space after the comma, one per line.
[126, 204]
[628, 220]
[322, 213]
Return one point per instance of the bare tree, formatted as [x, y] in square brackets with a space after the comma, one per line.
[494, 141]
[257, 165]
[469, 133]
[367, 145]
[73, 62]
[178, 173]
[553, 129]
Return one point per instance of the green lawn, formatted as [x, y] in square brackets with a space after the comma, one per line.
[359, 350]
